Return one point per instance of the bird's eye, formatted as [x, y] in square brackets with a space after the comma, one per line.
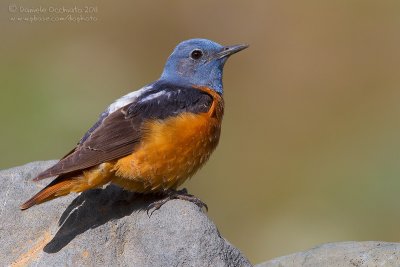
[196, 54]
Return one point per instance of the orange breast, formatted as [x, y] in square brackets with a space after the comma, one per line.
[171, 151]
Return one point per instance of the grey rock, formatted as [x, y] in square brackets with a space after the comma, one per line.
[343, 254]
[104, 227]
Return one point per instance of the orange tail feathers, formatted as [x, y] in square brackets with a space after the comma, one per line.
[70, 183]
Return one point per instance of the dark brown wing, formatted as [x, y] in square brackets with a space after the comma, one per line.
[115, 137]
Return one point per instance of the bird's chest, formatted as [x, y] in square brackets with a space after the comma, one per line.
[171, 151]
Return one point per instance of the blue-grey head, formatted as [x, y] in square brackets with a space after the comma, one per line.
[199, 62]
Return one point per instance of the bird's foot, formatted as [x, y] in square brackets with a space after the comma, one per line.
[175, 194]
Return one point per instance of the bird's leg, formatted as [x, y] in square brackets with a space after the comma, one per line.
[184, 195]
[175, 194]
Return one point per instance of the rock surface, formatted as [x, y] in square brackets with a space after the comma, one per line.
[343, 254]
[104, 227]
[110, 227]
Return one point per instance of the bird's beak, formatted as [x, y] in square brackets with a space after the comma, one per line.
[230, 50]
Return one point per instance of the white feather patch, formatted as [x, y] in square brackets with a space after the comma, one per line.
[152, 96]
[126, 99]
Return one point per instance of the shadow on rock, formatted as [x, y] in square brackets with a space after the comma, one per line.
[92, 209]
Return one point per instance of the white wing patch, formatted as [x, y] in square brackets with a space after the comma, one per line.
[126, 99]
[155, 95]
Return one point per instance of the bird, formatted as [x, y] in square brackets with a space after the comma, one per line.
[153, 139]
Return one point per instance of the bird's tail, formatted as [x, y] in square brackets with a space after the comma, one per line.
[69, 183]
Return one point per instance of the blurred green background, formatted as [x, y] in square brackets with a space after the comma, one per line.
[310, 147]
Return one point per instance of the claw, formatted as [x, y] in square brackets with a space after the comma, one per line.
[156, 205]
[174, 194]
